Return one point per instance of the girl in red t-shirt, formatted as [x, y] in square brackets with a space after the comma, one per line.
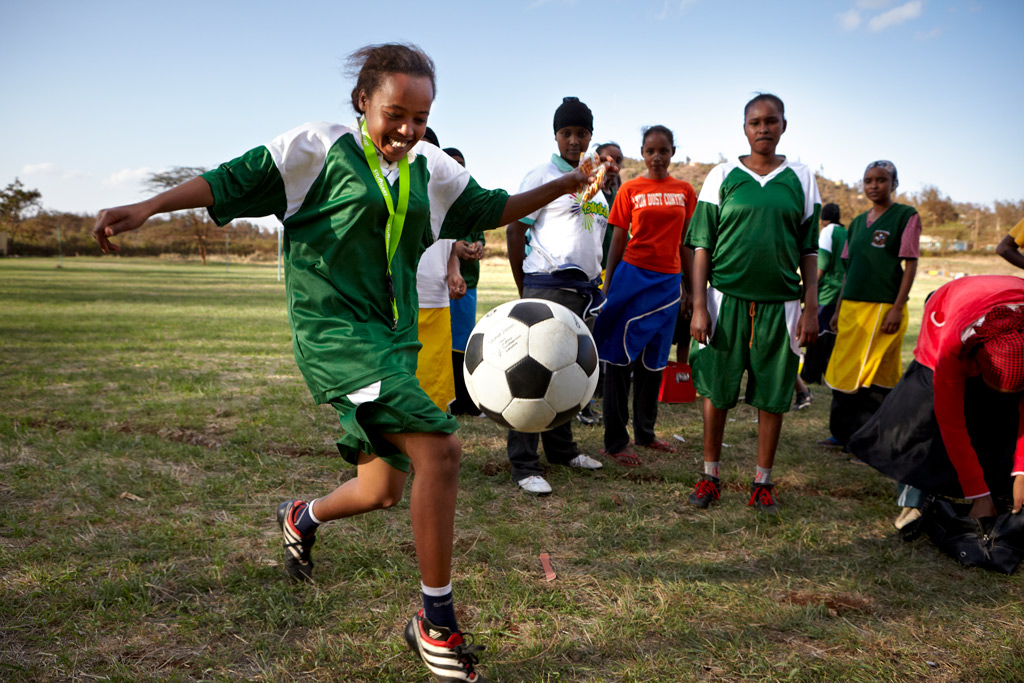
[645, 293]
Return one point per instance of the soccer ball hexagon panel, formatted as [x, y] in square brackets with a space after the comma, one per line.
[531, 364]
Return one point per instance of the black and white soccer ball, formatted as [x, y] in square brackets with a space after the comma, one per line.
[531, 365]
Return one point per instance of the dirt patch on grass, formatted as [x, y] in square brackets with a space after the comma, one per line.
[55, 423]
[286, 451]
[838, 605]
[492, 468]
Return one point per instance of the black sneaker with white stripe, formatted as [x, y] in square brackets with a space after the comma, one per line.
[445, 652]
[297, 561]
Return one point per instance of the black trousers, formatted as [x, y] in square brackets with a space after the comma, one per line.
[559, 447]
[646, 385]
[818, 354]
[902, 439]
[850, 412]
[463, 404]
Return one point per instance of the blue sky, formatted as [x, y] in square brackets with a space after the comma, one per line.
[99, 94]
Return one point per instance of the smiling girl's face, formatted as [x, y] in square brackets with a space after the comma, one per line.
[396, 113]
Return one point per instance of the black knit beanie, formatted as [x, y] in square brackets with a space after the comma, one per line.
[572, 112]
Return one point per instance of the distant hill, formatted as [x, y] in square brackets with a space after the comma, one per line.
[948, 225]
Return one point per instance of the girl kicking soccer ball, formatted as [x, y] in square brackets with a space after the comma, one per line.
[359, 205]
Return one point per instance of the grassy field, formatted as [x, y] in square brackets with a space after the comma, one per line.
[151, 418]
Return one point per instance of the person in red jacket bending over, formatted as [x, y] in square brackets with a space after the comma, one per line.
[954, 425]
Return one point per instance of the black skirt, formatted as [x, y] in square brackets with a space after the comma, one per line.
[902, 439]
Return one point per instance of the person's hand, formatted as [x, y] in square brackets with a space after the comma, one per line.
[478, 247]
[685, 304]
[700, 325]
[613, 168]
[577, 180]
[891, 321]
[467, 251]
[833, 324]
[807, 328]
[1018, 493]
[456, 286]
[984, 507]
[114, 221]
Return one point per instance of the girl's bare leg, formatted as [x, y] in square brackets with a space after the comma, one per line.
[768, 429]
[435, 461]
[376, 485]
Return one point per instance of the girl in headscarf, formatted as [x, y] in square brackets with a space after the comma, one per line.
[871, 316]
[955, 425]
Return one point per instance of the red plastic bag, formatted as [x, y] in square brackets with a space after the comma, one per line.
[676, 384]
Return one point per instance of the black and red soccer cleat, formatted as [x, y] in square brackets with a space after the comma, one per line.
[297, 561]
[762, 498]
[445, 652]
[706, 491]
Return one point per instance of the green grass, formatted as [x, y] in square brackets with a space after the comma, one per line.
[151, 418]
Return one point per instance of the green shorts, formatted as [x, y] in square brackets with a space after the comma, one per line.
[394, 405]
[753, 337]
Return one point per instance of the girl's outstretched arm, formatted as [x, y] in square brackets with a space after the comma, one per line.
[192, 194]
[525, 203]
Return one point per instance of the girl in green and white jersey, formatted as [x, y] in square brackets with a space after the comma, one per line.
[359, 205]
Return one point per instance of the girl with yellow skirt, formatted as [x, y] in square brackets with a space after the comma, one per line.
[871, 318]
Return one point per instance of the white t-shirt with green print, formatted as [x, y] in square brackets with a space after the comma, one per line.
[564, 232]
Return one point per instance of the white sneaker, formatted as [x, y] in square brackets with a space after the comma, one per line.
[907, 516]
[585, 462]
[535, 485]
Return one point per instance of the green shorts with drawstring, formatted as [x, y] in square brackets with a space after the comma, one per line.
[394, 405]
[751, 337]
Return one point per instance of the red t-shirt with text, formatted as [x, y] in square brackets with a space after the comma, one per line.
[655, 212]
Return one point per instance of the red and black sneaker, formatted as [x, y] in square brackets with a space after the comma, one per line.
[296, 546]
[445, 652]
[706, 491]
[762, 499]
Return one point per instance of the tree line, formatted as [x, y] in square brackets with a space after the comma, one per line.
[33, 230]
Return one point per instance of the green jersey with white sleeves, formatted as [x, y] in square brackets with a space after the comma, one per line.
[756, 228]
[316, 180]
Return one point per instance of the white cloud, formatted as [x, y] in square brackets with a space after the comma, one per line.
[849, 19]
[928, 35]
[46, 167]
[873, 4]
[896, 16]
[540, 3]
[127, 176]
[679, 5]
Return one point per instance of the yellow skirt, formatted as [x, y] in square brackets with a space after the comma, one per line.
[863, 355]
[434, 364]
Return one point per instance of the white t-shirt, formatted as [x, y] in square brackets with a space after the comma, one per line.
[432, 275]
[564, 232]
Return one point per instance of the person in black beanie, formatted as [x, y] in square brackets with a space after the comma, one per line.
[564, 266]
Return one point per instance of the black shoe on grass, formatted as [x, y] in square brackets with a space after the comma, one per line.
[296, 546]
[762, 499]
[445, 652]
[706, 491]
[803, 400]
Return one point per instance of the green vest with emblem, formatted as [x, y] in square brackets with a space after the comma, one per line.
[874, 271]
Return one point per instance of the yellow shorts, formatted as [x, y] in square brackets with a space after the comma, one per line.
[863, 356]
[434, 365]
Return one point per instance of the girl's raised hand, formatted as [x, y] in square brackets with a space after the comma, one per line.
[114, 221]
